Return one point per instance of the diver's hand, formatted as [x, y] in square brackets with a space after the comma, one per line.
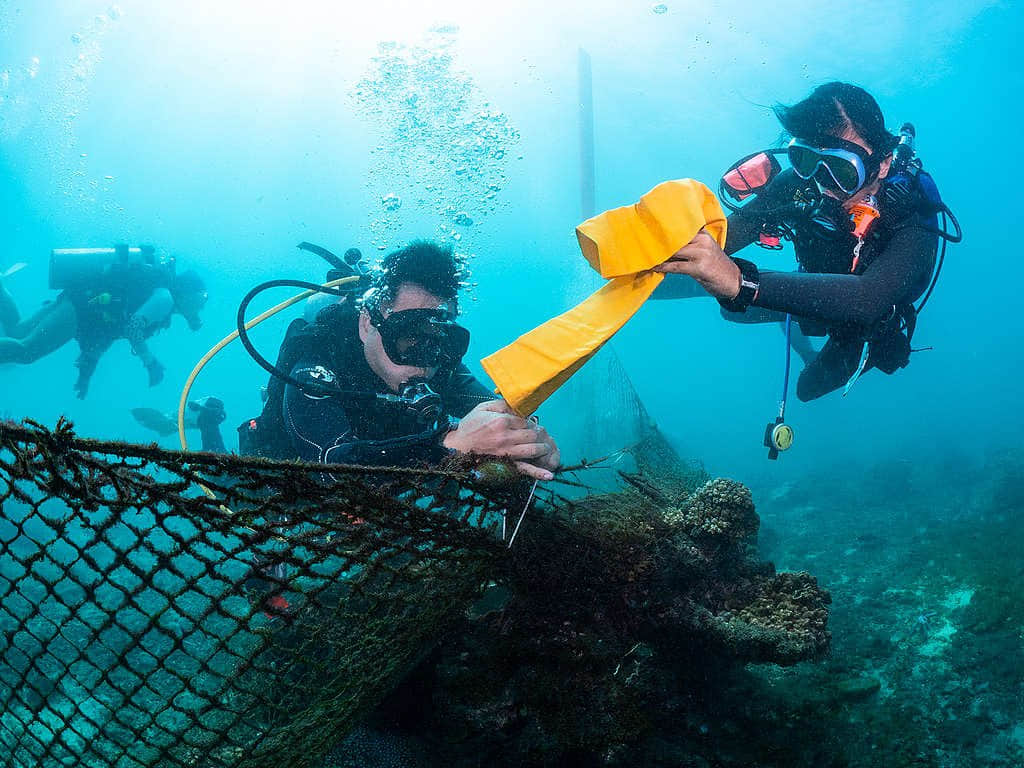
[156, 371]
[550, 460]
[492, 429]
[85, 368]
[704, 260]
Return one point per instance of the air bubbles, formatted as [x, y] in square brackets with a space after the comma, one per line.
[441, 141]
[660, 9]
[391, 201]
[76, 38]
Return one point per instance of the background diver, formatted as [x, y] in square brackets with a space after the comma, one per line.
[383, 384]
[865, 232]
[108, 294]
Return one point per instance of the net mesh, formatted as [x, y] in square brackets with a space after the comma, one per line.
[144, 622]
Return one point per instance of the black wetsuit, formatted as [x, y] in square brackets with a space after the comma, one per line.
[360, 427]
[111, 310]
[826, 297]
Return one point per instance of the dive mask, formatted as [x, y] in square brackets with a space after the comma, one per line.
[424, 338]
[843, 167]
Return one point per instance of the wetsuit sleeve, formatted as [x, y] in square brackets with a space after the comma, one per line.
[465, 392]
[744, 226]
[320, 430]
[860, 300]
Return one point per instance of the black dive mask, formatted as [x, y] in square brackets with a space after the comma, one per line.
[424, 338]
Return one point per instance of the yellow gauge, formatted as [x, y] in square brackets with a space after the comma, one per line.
[782, 437]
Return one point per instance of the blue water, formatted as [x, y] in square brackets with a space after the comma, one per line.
[230, 134]
[225, 133]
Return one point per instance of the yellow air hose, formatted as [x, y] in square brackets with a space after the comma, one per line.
[183, 402]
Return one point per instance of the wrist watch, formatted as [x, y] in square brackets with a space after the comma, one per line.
[750, 282]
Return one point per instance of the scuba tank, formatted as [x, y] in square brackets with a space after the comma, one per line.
[80, 267]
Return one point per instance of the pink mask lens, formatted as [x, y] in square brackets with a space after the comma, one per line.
[750, 176]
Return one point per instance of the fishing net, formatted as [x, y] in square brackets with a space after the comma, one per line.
[146, 623]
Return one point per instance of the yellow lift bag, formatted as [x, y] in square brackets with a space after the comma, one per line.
[623, 245]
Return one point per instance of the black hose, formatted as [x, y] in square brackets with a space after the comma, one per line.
[273, 370]
[324, 254]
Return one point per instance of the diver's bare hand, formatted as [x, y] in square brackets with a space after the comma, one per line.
[704, 260]
[549, 461]
[493, 429]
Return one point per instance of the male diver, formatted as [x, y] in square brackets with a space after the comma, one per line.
[108, 294]
[862, 216]
[383, 384]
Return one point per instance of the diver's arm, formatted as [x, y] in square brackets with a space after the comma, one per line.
[860, 300]
[743, 228]
[86, 364]
[154, 312]
[320, 431]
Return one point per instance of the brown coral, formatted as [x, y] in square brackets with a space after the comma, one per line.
[722, 511]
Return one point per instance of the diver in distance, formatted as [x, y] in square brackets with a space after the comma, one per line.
[383, 383]
[106, 294]
[863, 218]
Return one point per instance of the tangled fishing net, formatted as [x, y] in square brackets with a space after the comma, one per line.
[146, 623]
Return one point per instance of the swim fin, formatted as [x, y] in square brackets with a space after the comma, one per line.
[14, 268]
[162, 423]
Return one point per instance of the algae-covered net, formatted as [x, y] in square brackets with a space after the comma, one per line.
[146, 623]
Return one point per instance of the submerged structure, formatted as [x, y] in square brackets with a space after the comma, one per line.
[148, 623]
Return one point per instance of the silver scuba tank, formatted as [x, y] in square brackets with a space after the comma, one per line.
[78, 267]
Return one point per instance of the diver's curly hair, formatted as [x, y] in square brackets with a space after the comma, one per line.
[434, 267]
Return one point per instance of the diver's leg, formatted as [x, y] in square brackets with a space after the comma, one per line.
[26, 326]
[53, 329]
[9, 315]
[831, 369]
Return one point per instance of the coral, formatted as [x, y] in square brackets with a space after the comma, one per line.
[617, 609]
[721, 511]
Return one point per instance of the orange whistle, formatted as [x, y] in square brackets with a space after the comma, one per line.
[863, 215]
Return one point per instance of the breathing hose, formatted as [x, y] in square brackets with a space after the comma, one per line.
[183, 400]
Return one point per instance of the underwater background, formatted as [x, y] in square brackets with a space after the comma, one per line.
[226, 133]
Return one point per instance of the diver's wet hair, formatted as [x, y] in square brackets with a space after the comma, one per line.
[435, 268]
[833, 108]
